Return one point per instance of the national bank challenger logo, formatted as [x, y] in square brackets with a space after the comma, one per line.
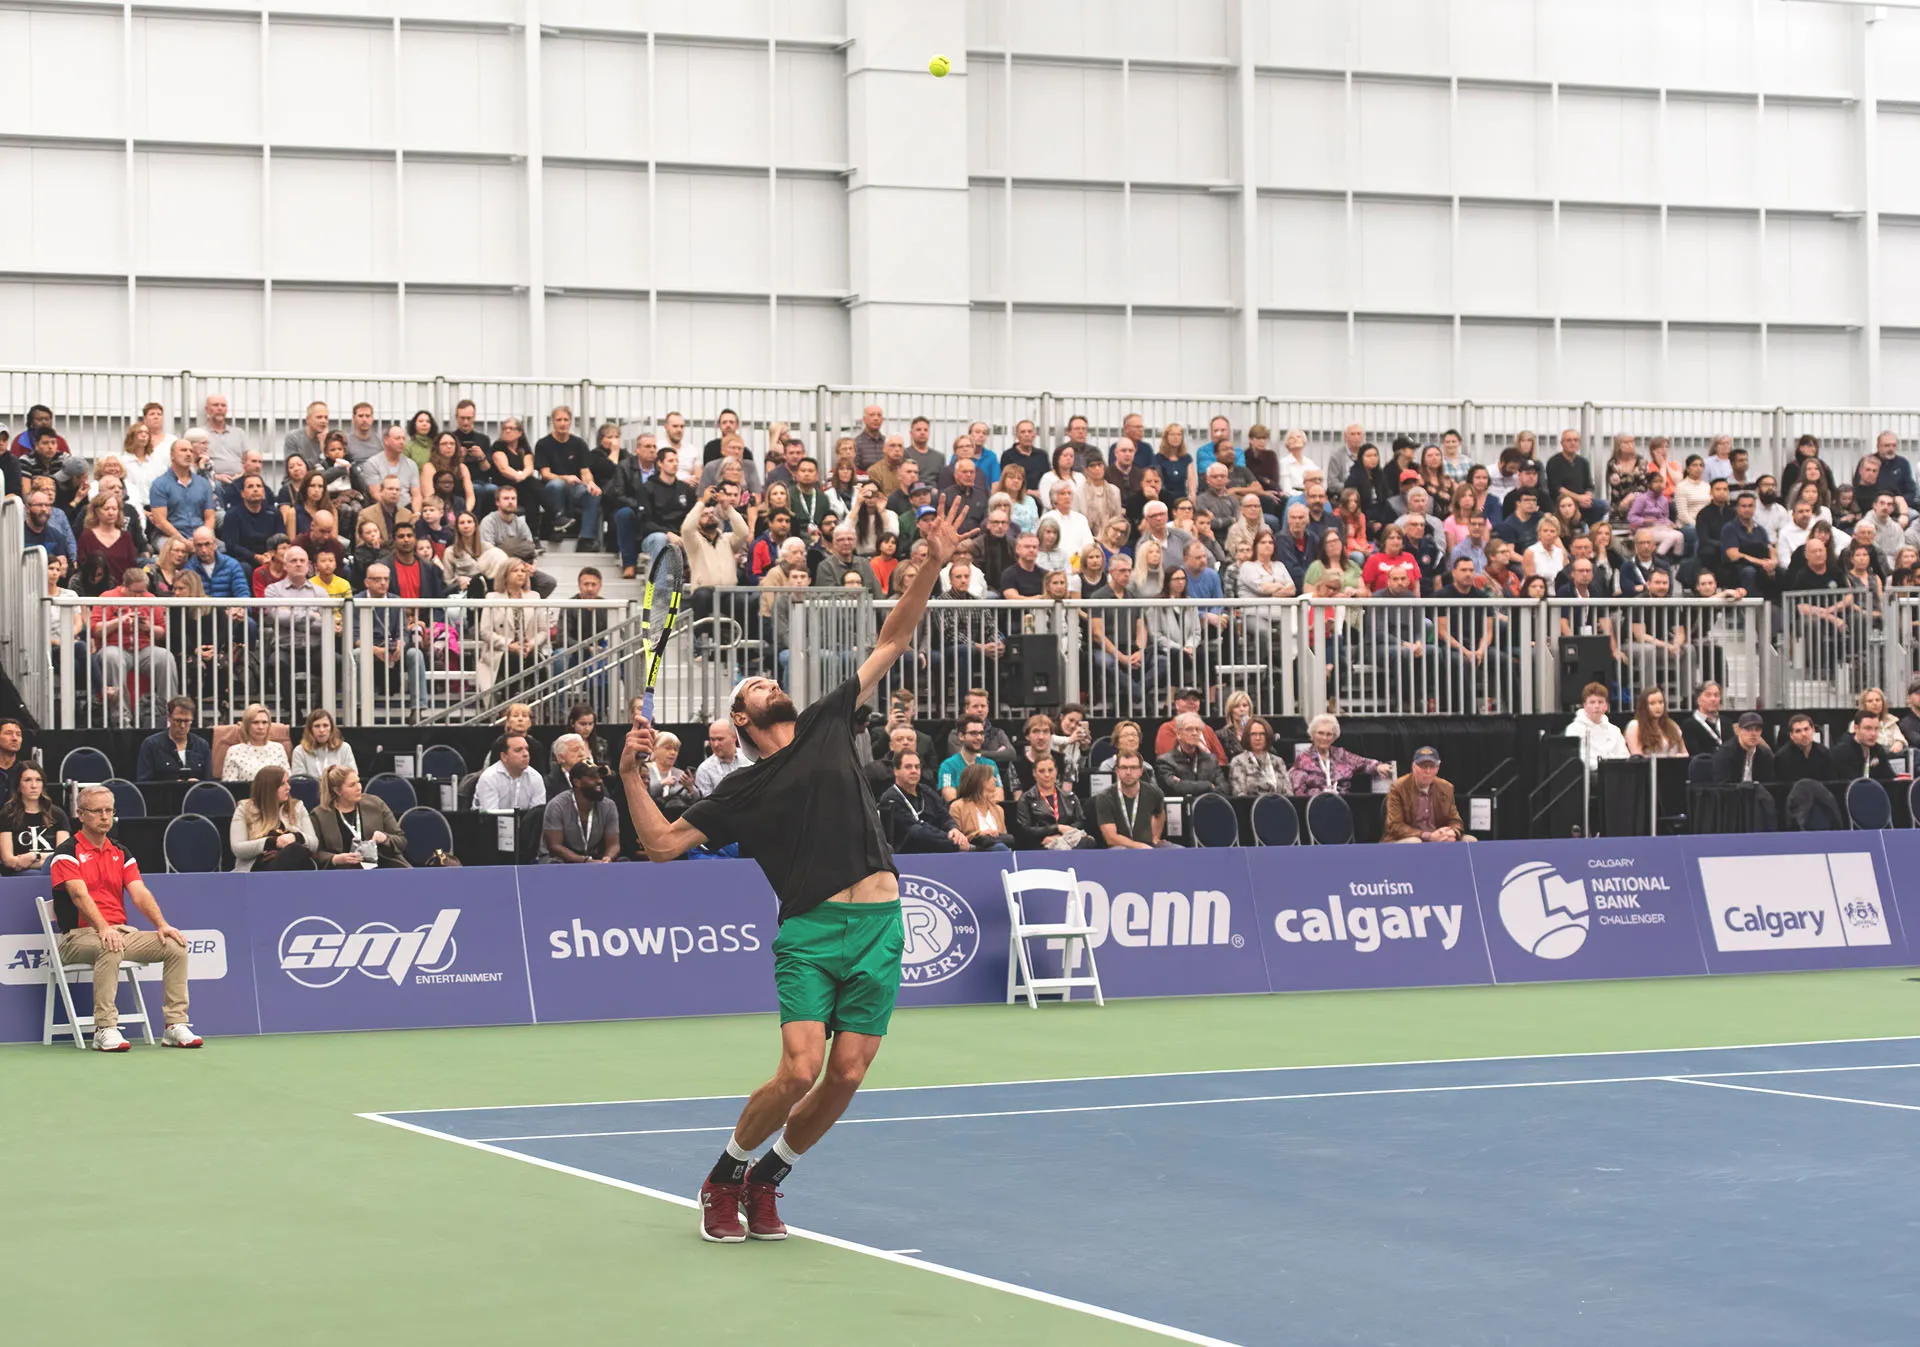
[942, 933]
[1550, 916]
[318, 952]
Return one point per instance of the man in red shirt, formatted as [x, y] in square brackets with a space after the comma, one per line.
[414, 574]
[92, 880]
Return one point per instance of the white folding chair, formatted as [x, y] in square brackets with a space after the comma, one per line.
[57, 984]
[1074, 931]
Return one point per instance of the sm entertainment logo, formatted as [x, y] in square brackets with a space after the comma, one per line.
[318, 952]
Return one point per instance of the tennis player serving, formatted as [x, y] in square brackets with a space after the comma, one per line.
[804, 814]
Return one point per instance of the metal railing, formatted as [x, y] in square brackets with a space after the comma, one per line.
[1672, 644]
[113, 662]
[93, 408]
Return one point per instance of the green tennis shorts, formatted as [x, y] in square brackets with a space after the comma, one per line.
[839, 964]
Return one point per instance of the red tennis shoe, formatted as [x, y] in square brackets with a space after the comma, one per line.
[720, 1212]
[763, 1216]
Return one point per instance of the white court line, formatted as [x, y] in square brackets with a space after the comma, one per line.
[1216, 1071]
[1793, 1094]
[1703, 1078]
[832, 1241]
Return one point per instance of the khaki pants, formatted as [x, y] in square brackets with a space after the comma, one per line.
[139, 947]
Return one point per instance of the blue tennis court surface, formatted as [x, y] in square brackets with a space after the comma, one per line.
[1735, 1195]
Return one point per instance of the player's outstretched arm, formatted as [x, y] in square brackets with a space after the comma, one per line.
[942, 533]
[663, 841]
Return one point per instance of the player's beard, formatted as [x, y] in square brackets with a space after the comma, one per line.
[778, 710]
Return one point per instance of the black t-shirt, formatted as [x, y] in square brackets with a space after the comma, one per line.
[565, 460]
[1130, 818]
[39, 832]
[804, 813]
[1026, 583]
[516, 455]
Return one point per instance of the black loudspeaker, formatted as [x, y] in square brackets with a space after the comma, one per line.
[1583, 660]
[1033, 667]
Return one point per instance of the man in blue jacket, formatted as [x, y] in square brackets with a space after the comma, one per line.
[223, 577]
[175, 753]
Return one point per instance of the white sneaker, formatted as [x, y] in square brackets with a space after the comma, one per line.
[179, 1036]
[110, 1040]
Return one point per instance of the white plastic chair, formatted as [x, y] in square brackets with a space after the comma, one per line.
[1074, 931]
[81, 1025]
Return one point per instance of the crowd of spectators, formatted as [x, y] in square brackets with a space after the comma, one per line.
[417, 509]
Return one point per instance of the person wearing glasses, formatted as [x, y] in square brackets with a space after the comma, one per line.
[175, 753]
[92, 881]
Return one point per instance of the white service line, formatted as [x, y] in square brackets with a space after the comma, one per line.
[1216, 1071]
[832, 1241]
[1703, 1078]
[1792, 1094]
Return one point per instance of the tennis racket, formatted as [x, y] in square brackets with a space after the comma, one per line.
[659, 610]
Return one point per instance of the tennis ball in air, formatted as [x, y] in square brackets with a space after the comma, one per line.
[939, 65]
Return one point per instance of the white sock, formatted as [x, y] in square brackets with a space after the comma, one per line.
[785, 1152]
[736, 1151]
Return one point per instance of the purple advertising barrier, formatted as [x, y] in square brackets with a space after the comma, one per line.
[212, 917]
[1173, 922]
[1605, 908]
[1902, 851]
[387, 949]
[1793, 901]
[1333, 918]
[955, 912]
[616, 942]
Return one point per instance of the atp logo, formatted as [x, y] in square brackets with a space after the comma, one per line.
[1546, 915]
[318, 952]
[942, 934]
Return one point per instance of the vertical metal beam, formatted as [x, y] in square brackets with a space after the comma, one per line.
[536, 232]
[266, 201]
[1248, 103]
[128, 227]
[1868, 114]
[653, 215]
[399, 212]
[773, 210]
[1006, 193]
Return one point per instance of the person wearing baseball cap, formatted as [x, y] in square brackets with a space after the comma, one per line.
[1420, 805]
[1746, 756]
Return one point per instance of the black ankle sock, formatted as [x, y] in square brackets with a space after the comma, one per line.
[727, 1170]
[769, 1168]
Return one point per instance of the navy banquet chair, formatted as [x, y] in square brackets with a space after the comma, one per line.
[191, 845]
[1868, 805]
[1214, 822]
[306, 790]
[128, 800]
[1275, 821]
[88, 766]
[1913, 799]
[1329, 820]
[397, 791]
[427, 831]
[210, 799]
[442, 762]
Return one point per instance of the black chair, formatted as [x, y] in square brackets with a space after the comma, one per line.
[191, 845]
[1100, 750]
[306, 790]
[427, 831]
[463, 793]
[1329, 820]
[1700, 770]
[442, 762]
[1868, 805]
[1213, 821]
[209, 799]
[128, 801]
[1913, 799]
[88, 766]
[396, 791]
[1275, 821]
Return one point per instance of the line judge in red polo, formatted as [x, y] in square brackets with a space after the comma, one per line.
[92, 880]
